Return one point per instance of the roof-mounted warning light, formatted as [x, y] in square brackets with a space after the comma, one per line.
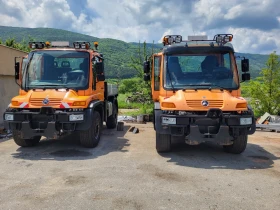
[95, 45]
[170, 39]
[81, 45]
[37, 45]
[223, 38]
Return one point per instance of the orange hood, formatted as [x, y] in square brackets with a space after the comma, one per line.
[202, 100]
[49, 97]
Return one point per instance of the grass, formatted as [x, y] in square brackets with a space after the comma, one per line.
[136, 108]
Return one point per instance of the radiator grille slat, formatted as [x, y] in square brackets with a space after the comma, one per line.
[39, 102]
[196, 104]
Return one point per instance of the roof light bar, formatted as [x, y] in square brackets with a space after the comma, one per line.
[170, 39]
[81, 45]
[223, 38]
[37, 45]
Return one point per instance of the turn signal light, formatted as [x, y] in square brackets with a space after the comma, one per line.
[241, 105]
[168, 105]
[15, 103]
[79, 103]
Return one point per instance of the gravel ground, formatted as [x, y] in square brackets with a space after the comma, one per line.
[126, 172]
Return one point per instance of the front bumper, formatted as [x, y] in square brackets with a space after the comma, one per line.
[46, 122]
[219, 127]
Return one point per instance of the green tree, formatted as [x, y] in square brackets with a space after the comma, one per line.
[137, 61]
[264, 91]
[23, 45]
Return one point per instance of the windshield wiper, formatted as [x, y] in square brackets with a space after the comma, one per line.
[168, 72]
[207, 84]
[53, 85]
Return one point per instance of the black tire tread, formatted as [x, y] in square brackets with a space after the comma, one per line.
[87, 137]
[111, 122]
[163, 142]
[25, 142]
[238, 146]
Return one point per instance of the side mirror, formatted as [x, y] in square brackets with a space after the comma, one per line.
[99, 67]
[246, 77]
[146, 67]
[17, 70]
[147, 77]
[100, 77]
[245, 65]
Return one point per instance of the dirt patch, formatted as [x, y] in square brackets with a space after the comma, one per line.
[123, 203]
[75, 180]
[162, 174]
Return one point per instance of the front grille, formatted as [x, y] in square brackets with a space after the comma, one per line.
[39, 102]
[196, 104]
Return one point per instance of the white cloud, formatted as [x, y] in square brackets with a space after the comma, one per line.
[254, 23]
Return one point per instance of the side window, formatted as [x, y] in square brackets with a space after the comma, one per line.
[227, 61]
[157, 65]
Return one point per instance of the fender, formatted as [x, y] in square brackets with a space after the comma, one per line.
[88, 114]
[253, 127]
[157, 120]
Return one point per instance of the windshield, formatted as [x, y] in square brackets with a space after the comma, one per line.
[200, 71]
[57, 69]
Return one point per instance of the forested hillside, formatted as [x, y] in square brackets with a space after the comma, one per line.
[117, 53]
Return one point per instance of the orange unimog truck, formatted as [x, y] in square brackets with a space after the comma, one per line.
[62, 91]
[196, 92]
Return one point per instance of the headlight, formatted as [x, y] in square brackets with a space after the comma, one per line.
[169, 120]
[9, 117]
[246, 121]
[76, 117]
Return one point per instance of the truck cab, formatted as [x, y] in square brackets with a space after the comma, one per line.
[196, 92]
[62, 91]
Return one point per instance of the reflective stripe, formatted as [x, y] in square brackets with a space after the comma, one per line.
[23, 105]
[157, 105]
[64, 105]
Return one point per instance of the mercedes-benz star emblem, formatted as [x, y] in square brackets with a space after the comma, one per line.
[204, 103]
[45, 101]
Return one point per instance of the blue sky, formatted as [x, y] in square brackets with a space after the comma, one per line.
[255, 24]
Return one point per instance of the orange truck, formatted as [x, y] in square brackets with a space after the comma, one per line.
[196, 92]
[62, 91]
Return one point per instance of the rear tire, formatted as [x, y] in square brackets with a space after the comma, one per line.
[25, 142]
[238, 146]
[113, 119]
[90, 138]
[163, 142]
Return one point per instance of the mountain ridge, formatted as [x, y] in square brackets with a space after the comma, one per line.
[117, 52]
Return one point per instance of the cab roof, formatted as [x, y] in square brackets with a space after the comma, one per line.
[196, 46]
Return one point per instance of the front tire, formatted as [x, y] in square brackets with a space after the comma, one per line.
[238, 146]
[163, 142]
[25, 142]
[113, 119]
[90, 138]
